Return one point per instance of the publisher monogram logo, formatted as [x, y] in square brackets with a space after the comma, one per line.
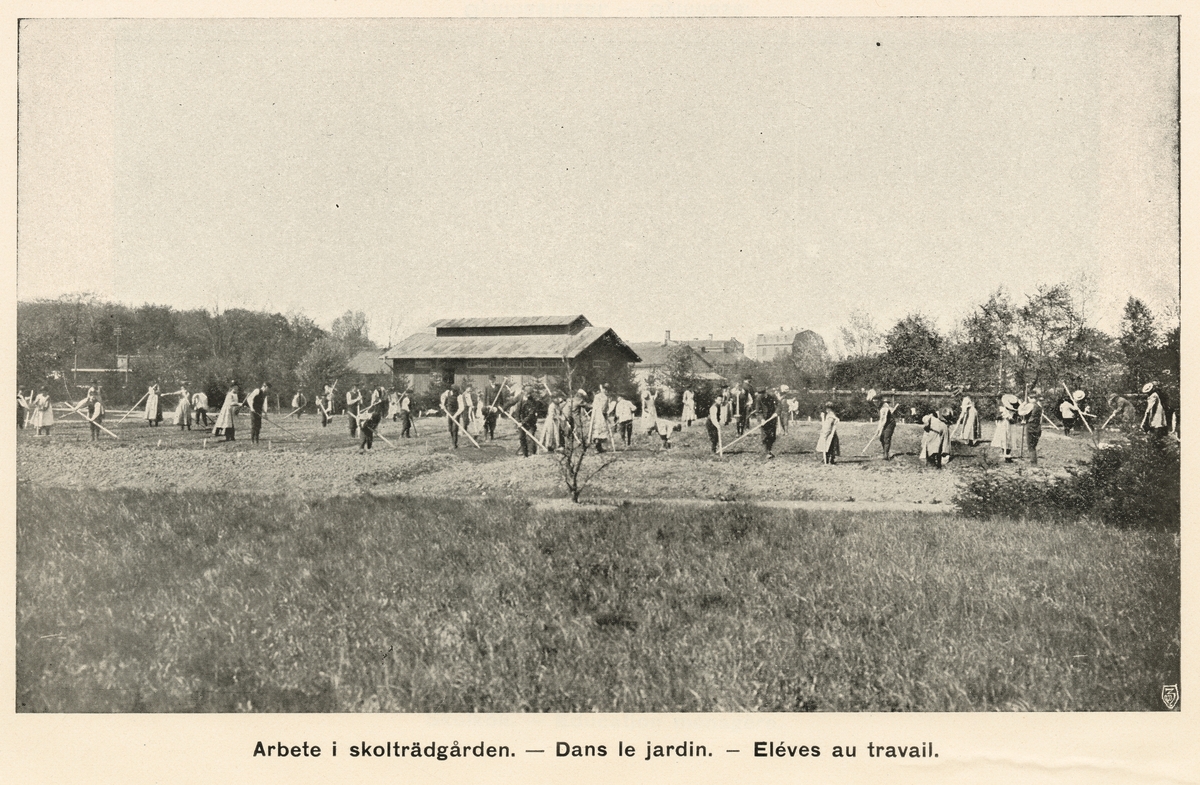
[1170, 695]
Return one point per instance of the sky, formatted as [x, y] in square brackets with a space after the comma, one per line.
[703, 176]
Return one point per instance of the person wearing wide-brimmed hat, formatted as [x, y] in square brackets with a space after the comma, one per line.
[1031, 411]
[966, 428]
[1002, 439]
[935, 441]
[1157, 419]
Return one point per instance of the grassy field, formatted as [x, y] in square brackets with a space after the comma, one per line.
[131, 600]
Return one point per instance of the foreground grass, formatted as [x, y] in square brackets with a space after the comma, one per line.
[136, 601]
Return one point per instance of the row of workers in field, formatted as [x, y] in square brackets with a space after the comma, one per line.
[605, 419]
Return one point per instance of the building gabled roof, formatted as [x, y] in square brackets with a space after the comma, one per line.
[510, 321]
[656, 353]
[423, 346]
[724, 359]
[369, 362]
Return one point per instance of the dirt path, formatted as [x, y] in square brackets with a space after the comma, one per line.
[566, 505]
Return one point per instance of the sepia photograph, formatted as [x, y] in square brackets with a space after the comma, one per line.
[577, 365]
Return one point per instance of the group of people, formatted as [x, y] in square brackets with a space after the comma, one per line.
[35, 411]
[1019, 423]
[192, 409]
[607, 419]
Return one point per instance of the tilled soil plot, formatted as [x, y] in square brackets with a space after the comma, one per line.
[308, 460]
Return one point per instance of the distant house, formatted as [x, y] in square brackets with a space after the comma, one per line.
[721, 355]
[805, 347]
[468, 351]
[655, 357]
[768, 346]
[370, 369]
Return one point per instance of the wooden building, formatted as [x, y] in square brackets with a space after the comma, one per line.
[522, 348]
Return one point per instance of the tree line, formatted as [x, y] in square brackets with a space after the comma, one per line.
[205, 348]
[1000, 346]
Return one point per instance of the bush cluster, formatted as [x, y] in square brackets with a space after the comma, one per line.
[1134, 485]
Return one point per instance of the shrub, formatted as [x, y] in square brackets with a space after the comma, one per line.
[1134, 485]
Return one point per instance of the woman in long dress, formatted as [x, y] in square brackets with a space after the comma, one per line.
[649, 411]
[554, 425]
[827, 443]
[600, 428]
[689, 408]
[967, 428]
[225, 423]
[183, 410]
[1002, 439]
[43, 413]
[935, 441]
[153, 406]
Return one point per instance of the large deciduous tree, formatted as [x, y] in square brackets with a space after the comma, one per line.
[984, 360]
[1045, 328]
[860, 336]
[325, 362]
[914, 358]
[351, 329]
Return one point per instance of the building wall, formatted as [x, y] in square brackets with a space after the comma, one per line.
[768, 352]
[427, 375]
